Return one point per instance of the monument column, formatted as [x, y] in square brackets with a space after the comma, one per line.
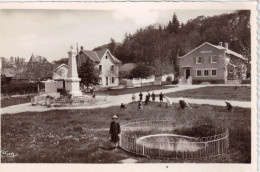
[72, 81]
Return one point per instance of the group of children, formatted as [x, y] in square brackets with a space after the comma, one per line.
[152, 96]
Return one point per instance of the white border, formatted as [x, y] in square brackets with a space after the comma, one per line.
[153, 167]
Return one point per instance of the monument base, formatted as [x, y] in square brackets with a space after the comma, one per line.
[72, 86]
[76, 93]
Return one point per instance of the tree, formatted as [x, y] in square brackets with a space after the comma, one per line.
[40, 70]
[89, 74]
[141, 71]
[112, 46]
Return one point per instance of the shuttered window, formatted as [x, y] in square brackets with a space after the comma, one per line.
[213, 72]
[206, 72]
[199, 73]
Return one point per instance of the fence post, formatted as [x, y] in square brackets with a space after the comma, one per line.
[143, 148]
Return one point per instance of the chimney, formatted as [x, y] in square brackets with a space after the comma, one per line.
[81, 48]
[220, 44]
[226, 45]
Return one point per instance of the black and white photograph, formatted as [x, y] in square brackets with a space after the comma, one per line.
[110, 83]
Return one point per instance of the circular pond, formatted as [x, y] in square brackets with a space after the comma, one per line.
[163, 138]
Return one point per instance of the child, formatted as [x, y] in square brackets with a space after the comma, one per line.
[140, 105]
[183, 104]
[123, 106]
[153, 96]
[141, 96]
[161, 97]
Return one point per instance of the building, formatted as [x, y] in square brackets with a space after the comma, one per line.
[107, 64]
[211, 63]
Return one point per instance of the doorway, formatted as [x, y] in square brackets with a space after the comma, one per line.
[187, 73]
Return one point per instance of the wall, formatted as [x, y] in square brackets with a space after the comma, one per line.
[164, 77]
[205, 52]
[138, 81]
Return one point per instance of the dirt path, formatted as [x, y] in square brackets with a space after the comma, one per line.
[126, 98]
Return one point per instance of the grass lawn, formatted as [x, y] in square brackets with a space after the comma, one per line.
[14, 101]
[81, 136]
[242, 93]
[133, 90]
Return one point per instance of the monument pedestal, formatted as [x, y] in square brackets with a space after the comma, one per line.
[72, 86]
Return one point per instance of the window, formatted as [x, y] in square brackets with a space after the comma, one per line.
[112, 67]
[214, 72]
[198, 73]
[106, 57]
[113, 80]
[206, 72]
[100, 68]
[214, 59]
[198, 60]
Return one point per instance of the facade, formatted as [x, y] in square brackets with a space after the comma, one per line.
[211, 63]
[60, 73]
[107, 64]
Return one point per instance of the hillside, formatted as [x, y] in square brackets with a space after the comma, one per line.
[159, 46]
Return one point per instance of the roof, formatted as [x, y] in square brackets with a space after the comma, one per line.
[33, 59]
[61, 66]
[97, 55]
[101, 53]
[127, 67]
[92, 54]
[228, 51]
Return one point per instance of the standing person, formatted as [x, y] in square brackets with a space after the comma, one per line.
[149, 95]
[146, 100]
[141, 96]
[161, 97]
[133, 97]
[114, 131]
[153, 96]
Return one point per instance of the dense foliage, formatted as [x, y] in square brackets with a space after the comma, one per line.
[89, 74]
[159, 46]
[21, 88]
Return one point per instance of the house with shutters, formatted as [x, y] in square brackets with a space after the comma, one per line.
[213, 64]
[107, 64]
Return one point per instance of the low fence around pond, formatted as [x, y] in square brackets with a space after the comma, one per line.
[183, 147]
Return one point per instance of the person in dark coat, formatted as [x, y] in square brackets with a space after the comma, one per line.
[114, 131]
[228, 106]
[141, 96]
[146, 100]
[184, 104]
[161, 97]
[140, 105]
[122, 106]
[153, 96]
[149, 96]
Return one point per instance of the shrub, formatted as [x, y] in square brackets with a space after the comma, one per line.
[21, 88]
[247, 81]
[169, 78]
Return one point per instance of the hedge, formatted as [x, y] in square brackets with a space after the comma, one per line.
[21, 88]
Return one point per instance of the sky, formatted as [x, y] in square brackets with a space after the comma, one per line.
[50, 33]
